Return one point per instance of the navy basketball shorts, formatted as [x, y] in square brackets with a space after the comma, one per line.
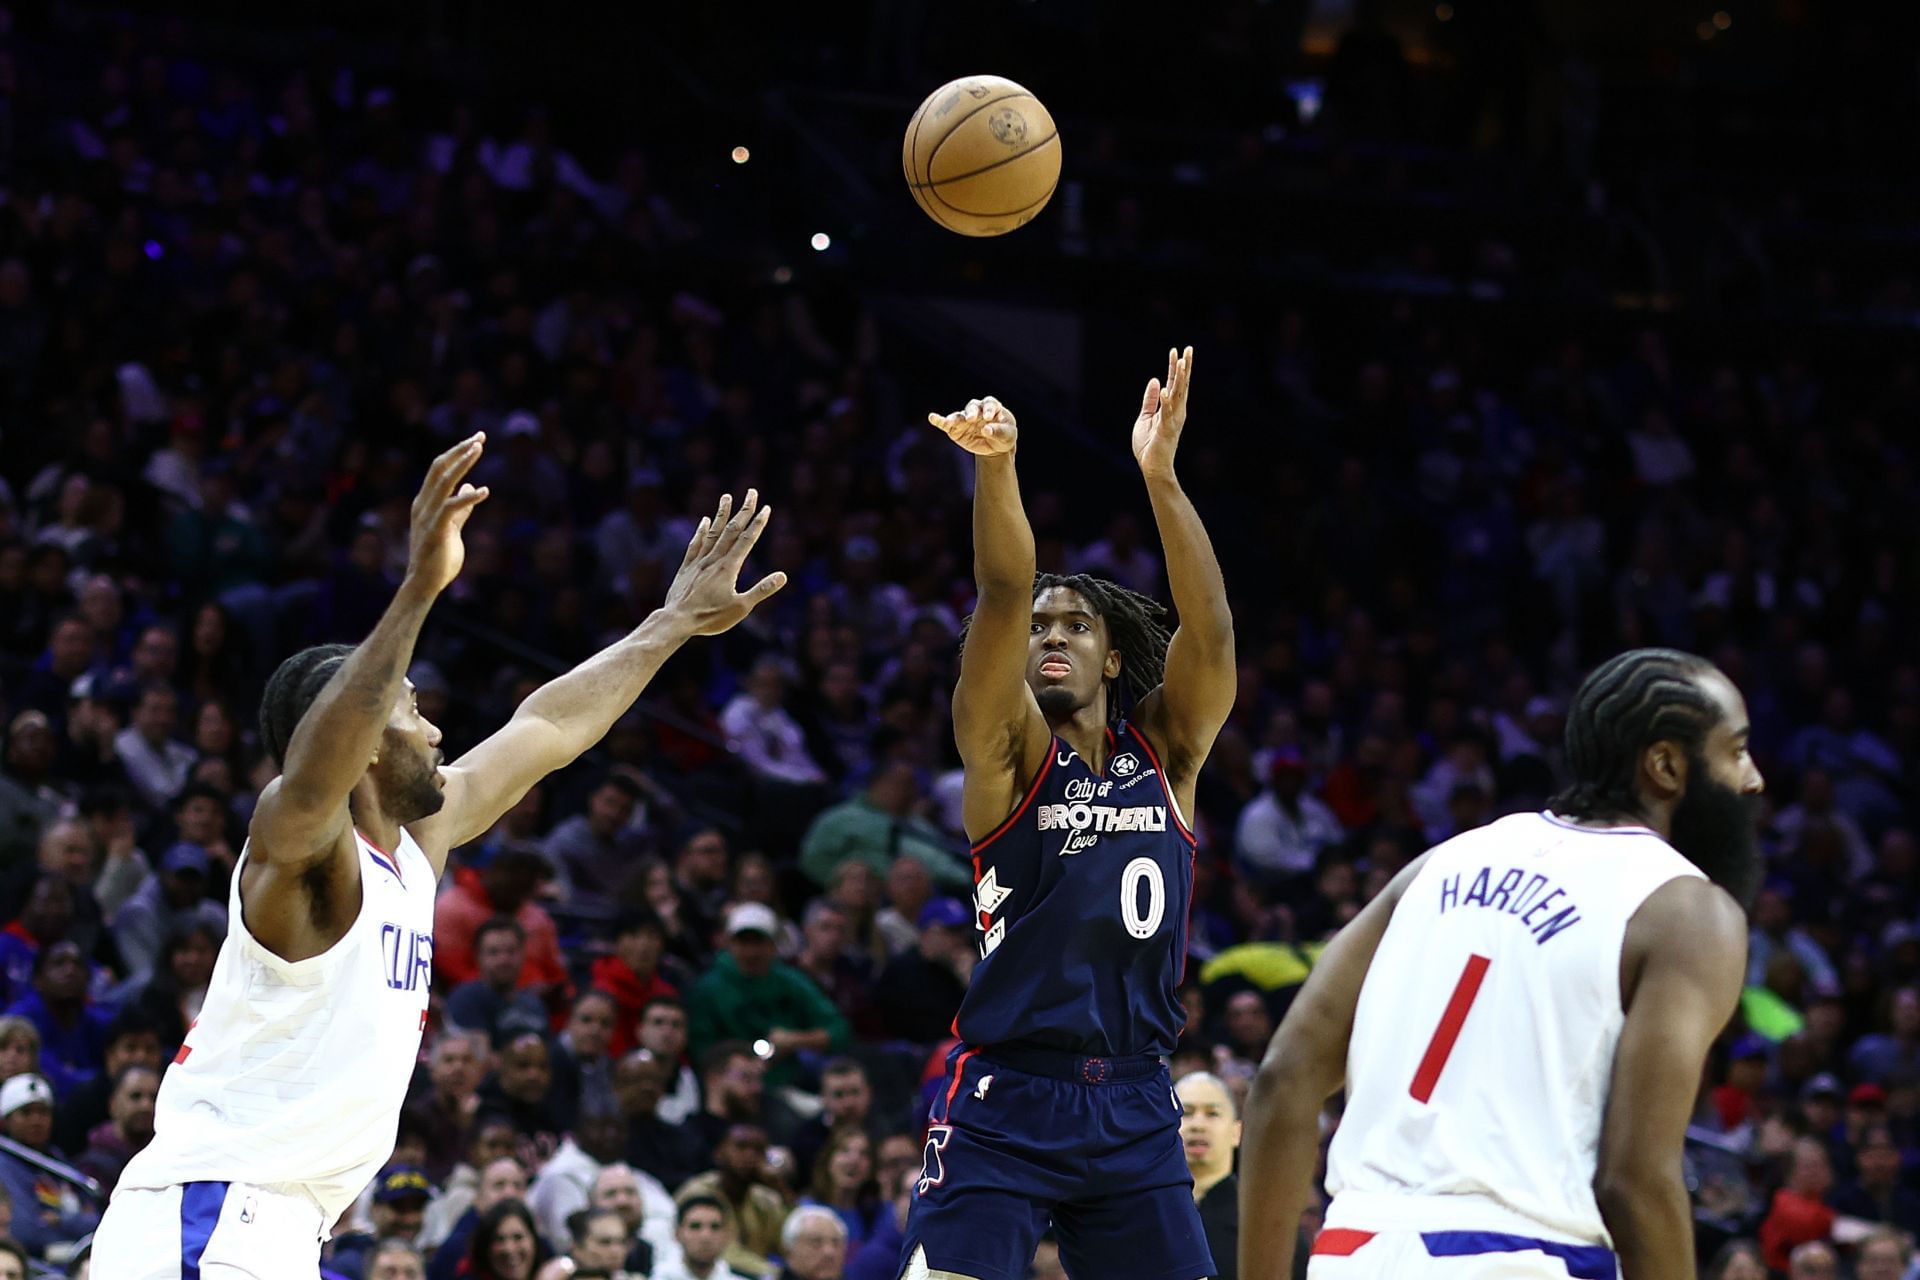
[1019, 1138]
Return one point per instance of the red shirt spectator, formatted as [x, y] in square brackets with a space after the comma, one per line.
[631, 975]
[1798, 1213]
[505, 888]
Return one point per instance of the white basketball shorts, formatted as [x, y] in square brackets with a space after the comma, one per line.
[1453, 1255]
[208, 1231]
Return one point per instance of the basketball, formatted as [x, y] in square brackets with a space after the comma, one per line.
[981, 156]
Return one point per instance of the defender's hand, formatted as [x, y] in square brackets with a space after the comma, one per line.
[1163, 413]
[984, 427]
[440, 511]
[703, 591]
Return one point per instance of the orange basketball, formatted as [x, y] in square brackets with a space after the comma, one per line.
[981, 155]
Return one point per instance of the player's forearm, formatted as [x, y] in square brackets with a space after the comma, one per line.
[583, 704]
[1002, 539]
[1651, 1221]
[1193, 571]
[337, 737]
[1280, 1146]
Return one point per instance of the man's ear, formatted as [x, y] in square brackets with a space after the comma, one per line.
[1663, 767]
[1111, 670]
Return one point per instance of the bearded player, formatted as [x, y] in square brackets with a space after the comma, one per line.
[1081, 725]
[285, 1098]
[1520, 1019]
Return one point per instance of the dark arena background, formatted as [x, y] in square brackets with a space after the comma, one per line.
[1525, 333]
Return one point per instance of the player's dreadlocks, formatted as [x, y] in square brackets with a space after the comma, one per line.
[1626, 705]
[1135, 627]
[291, 690]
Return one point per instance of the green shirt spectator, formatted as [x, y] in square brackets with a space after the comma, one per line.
[875, 828]
[749, 995]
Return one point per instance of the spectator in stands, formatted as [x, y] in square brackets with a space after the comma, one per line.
[631, 974]
[814, 1242]
[1210, 1135]
[15, 1263]
[72, 1027]
[843, 1181]
[1814, 1260]
[155, 760]
[522, 1089]
[1737, 1260]
[667, 1152]
[1799, 1213]
[878, 827]
[506, 1245]
[1282, 832]
[663, 1033]
[749, 995]
[759, 727]
[844, 975]
[742, 1182]
[592, 851]
[46, 1211]
[445, 1106]
[705, 1236]
[400, 1195]
[167, 902]
[503, 1181]
[505, 887]
[1877, 1194]
[131, 1040]
[19, 1046]
[646, 1211]
[394, 1260]
[1879, 1058]
[700, 874]
[491, 1139]
[172, 1000]
[493, 1003]
[598, 1244]
[1883, 1255]
[128, 1128]
[42, 921]
[846, 1101]
[909, 887]
[920, 991]
[582, 1065]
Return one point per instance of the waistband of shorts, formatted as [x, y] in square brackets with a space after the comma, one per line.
[1382, 1212]
[1057, 1064]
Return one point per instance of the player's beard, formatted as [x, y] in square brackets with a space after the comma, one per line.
[1713, 829]
[411, 789]
[1056, 702]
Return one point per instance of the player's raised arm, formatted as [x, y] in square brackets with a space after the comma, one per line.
[1188, 709]
[1305, 1063]
[997, 725]
[564, 717]
[301, 816]
[1682, 964]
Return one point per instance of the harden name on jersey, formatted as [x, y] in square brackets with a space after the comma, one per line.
[1517, 893]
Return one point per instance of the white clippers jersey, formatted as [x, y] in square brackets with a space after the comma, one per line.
[294, 1073]
[1483, 1043]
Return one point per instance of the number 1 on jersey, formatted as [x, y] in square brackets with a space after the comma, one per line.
[1440, 1048]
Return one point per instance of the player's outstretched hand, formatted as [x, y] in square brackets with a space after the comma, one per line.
[985, 427]
[703, 590]
[440, 510]
[1163, 413]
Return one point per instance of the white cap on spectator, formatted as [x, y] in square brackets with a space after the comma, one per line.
[21, 1091]
[752, 917]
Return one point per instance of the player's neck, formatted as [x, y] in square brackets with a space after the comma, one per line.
[370, 820]
[1086, 732]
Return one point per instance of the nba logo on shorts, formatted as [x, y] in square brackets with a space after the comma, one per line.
[1123, 766]
[246, 1210]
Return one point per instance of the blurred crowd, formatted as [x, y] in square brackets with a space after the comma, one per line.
[690, 994]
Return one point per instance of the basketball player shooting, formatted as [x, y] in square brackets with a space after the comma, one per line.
[285, 1098]
[1521, 1017]
[1081, 726]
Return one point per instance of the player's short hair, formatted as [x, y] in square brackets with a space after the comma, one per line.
[805, 1215]
[1626, 705]
[1136, 626]
[291, 689]
[691, 1203]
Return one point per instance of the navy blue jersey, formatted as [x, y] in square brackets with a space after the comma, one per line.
[1081, 901]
